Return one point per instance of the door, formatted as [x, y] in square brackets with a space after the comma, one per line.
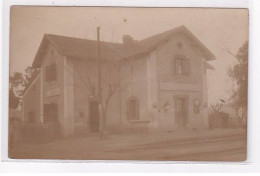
[51, 118]
[181, 111]
[94, 116]
[133, 109]
[50, 113]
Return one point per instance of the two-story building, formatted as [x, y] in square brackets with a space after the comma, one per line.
[158, 83]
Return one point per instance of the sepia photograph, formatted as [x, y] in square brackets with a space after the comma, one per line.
[128, 83]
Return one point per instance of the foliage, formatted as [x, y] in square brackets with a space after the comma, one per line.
[239, 73]
[29, 75]
[13, 100]
[18, 82]
[215, 109]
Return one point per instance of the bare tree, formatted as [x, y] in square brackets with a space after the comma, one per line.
[87, 73]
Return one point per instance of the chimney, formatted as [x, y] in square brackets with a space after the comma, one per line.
[127, 41]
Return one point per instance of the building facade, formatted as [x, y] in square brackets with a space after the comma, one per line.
[158, 83]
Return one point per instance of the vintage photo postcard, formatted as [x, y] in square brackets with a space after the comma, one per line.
[121, 83]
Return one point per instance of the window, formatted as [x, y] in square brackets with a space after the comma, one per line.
[31, 117]
[132, 109]
[50, 72]
[179, 66]
[182, 66]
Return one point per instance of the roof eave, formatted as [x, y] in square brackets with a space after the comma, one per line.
[42, 50]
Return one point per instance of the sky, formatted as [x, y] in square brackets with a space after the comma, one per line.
[215, 28]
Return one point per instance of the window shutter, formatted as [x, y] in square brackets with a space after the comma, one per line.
[187, 67]
[174, 65]
[54, 72]
[51, 72]
[175, 110]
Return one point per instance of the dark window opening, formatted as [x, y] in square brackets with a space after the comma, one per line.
[133, 109]
[51, 72]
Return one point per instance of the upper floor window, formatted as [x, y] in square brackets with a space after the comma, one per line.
[182, 66]
[50, 72]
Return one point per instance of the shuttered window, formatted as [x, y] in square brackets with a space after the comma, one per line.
[51, 73]
[182, 66]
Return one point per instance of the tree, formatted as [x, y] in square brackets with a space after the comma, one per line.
[87, 77]
[239, 73]
[13, 99]
[215, 108]
[29, 75]
[15, 89]
[18, 82]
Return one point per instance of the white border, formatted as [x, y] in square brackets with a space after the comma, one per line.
[253, 161]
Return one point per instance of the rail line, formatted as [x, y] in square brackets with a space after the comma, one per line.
[166, 144]
[209, 155]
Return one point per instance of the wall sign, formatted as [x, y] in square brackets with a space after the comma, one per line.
[53, 92]
[179, 86]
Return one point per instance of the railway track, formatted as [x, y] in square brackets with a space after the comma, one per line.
[227, 148]
[166, 144]
[206, 155]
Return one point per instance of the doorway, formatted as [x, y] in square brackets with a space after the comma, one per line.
[51, 118]
[181, 111]
[133, 109]
[50, 113]
[94, 116]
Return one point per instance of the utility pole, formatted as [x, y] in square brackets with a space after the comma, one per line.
[120, 95]
[99, 84]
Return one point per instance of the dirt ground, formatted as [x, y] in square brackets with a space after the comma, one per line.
[146, 146]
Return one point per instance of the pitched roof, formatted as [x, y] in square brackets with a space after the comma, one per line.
[76, 47]
[155, 40]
